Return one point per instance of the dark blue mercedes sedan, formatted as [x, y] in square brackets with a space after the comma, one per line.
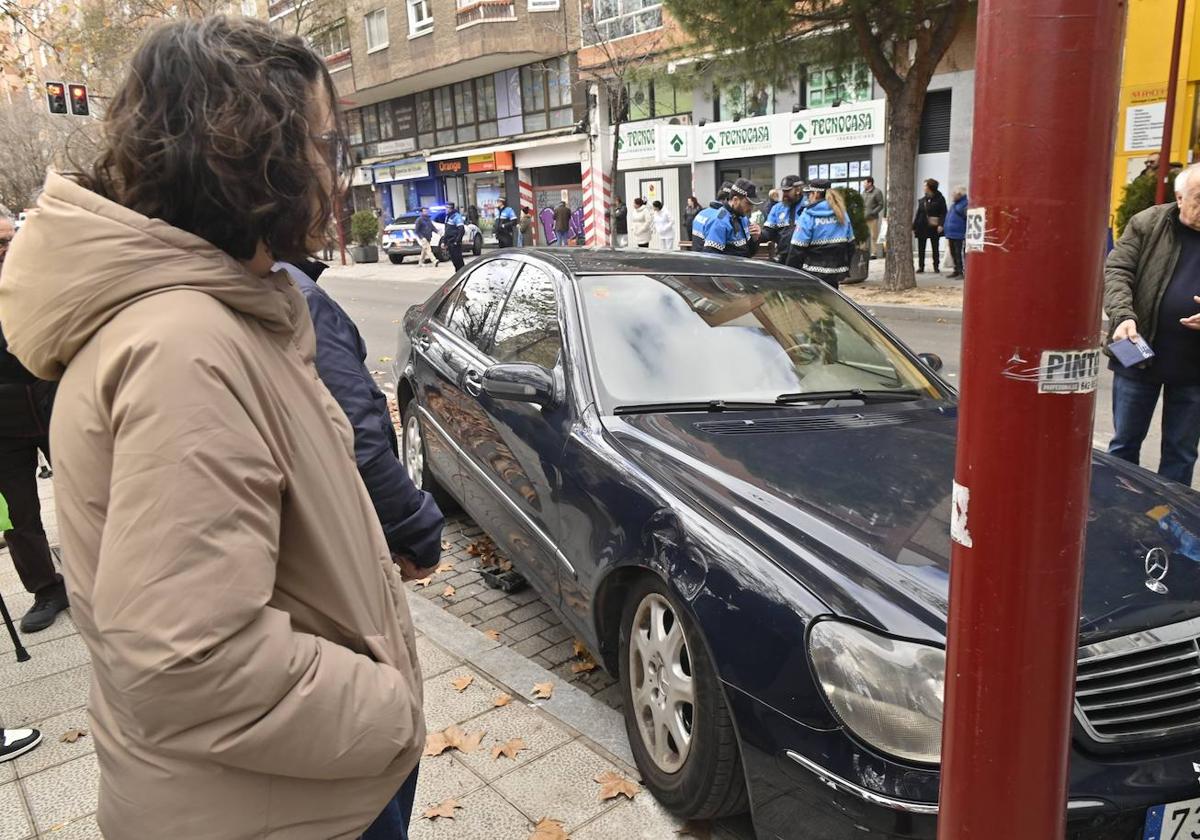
[735, 485]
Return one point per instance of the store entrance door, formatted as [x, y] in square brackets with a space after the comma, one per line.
[844, 167]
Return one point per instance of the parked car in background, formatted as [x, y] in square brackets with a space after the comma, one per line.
[734, 485]
[400, 239]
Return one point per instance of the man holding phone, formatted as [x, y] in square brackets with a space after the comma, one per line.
[1152, 296]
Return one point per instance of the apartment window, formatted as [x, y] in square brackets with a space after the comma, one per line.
[748, 99]
[935, 123]
[543, 5]
[546, 94]
[354, 128]
[828, 85]
[370, 119]
[443, 114]
[654, 98]
[464, 111]
[377, 30]
[250, 8]
[332, 40]
[387, 121]
[607, 20]
[425, 123]
[420, 18]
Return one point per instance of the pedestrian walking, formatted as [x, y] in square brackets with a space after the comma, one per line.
[730, 231]
[620, 215]
[641, 223]
[25, 405]
[525, 228]
[690, 210]
[956, 229]
[255, 663]
[424, 230]
[874, 209]
[823, 242]
[562, 224]
[1152, 292]
[781, 221]
[506, 224]
[664, 226]
[928, 222]
[707, 214]
[452, 235]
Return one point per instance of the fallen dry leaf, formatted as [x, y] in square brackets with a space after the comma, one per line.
[473, 549]
[548, 829]
[502, 700]
[465, 742]
[510, 748]
[444, 567]
[494, 635]
[73, 735]
[583, 667]
[505, 565]
[460, 683]
[436, 743]
[448, 592]
[613, 785]
[580, 649]
[442, 809]
[446, 546]
[542, 691]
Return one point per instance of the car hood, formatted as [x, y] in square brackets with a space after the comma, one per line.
[855, 504]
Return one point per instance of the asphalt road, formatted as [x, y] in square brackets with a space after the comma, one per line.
[377, 297]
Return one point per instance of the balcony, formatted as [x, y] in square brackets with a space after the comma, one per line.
[484, 11]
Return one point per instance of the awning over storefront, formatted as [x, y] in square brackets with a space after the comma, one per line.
[512, 146]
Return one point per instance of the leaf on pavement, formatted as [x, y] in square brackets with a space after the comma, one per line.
[510, 748]
[581, 648]
[465, 742]
[73, 735]
[583, 667]
[502, 700]
[446, 546]
[613, 785]
[473, 549]
[543, 691]
[448, 592]
[423, 582]
[505, 565]
[444, 809]
[548, 829]
[494, 635]
[444, 567]
[460, 683]
[436, 743]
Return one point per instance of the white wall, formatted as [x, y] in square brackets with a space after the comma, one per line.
[671, 192]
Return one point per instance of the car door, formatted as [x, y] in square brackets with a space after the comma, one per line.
[513, 480]
[444, 347]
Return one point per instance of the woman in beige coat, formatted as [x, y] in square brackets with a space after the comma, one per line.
[255, 670]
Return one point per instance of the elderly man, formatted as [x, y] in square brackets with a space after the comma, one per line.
[1152, 290]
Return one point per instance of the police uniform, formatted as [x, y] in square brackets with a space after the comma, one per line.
[506, 223]
[701, 222]
[781, 221]
[728, 233]
[453, 236]
[822, 244]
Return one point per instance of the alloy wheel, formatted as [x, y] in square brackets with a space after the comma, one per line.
[414, 451]
[661, 684]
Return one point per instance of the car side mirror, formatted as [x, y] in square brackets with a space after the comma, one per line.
[520, 383]
[931, 360]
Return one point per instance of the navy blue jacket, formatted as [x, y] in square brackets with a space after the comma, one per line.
[955, 226]
[410, 518]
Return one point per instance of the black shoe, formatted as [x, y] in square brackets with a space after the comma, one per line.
[47, 604]
[15, 742]
[920, 271]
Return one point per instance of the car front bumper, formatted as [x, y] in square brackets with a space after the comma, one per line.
[820, 783]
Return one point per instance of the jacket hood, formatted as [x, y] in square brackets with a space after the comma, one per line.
[54, 296]
[821, 209]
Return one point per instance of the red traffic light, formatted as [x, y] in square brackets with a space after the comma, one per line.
[79, 100]
[56, 98]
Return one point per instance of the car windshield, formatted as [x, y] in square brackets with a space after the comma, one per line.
[666, 339]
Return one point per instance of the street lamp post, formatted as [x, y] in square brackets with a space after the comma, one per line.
[1045, 109]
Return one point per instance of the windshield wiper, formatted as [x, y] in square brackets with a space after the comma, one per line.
[694, 405]
[903, 395]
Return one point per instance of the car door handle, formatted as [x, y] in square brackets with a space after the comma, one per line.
[473, 382]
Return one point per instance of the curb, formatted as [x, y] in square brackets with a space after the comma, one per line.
[600, 724]
[926, 314]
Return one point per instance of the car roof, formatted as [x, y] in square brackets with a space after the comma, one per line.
[585, 261]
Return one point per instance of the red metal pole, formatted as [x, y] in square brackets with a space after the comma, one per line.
[1164, 154]
[1046, 84]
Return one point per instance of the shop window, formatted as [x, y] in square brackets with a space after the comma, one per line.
[546, 94]
[746, 99]
[607, 20]
[377, 30]
[370, 124]
[828, 84]
[387, 121]
[354, 128]
[425, 124]
[420, 18]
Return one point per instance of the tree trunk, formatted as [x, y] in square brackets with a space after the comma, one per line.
[612, 173]
[903, 137]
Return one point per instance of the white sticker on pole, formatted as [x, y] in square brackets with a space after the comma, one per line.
[1069, 371]
[960, 499]
[976, 228]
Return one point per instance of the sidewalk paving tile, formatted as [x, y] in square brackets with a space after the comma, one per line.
[442, 777]
[14, 822]
[48, 658]
[433, 659]
[444, 704]
[538, 732]
[53, 750]
[560, 784]
[63, 793]
[83, 829]
[22, 704]
[641, 819]
[484, 816]
[7, 772]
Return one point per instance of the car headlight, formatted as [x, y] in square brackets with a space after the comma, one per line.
[888, 692]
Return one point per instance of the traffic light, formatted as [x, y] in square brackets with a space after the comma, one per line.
[79, 100]
[56, 97]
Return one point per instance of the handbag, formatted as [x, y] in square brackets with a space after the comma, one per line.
[934, 221]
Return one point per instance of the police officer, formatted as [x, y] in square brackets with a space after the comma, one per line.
[730, 231]
[453, 235]
[823, 241]
[781, 221]
[706, 215]
[506, 224]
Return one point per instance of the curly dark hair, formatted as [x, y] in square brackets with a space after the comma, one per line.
[211, 131]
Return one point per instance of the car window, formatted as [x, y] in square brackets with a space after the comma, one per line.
[528, 328]
[478, 299]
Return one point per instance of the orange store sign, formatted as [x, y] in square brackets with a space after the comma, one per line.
[491, 162]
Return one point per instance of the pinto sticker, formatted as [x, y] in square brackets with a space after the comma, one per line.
[1069, 371]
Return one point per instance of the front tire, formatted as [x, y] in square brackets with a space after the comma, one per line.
[477, 245]
[414, 455]
[679, 727]
[396, 259]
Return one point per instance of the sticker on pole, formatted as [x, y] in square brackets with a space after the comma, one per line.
[1069, 371]
[976, 228]
[960, 499]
